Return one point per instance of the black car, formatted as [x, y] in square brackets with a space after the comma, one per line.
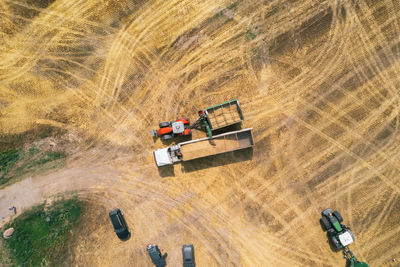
[119, 224]
[188, 255]
[155, 255]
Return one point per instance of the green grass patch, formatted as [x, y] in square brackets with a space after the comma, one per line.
[41, 233]
[219, 14]
[250, 35]
[232, 6]
[33, 151]
[8, 159]
[16, 163]
[41, 136]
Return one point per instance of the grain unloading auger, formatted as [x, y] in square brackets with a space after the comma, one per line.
[203, 123]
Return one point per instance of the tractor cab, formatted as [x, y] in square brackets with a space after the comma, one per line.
[178, 127]
[346, 238]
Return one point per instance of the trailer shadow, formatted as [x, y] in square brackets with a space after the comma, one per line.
[230, 128]
[218, 160]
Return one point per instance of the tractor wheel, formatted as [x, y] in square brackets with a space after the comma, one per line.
[164, 124]
[338, 216]
[336, 243]
[326, 224]
[166, 137]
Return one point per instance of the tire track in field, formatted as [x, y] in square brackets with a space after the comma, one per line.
[353, 131]
[321, 54]
[387, 181]
[276, 214]
[40, 36]
[300, 82]
[366, 43]
[235, 209]
[381, 219]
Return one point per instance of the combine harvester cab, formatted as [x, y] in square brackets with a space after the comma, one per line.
[204, 147]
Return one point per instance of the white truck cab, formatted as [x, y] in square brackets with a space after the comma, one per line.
[167, 156]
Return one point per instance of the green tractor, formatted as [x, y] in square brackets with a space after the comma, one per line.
[340, 236]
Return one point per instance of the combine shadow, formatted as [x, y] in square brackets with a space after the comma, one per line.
[218, 160]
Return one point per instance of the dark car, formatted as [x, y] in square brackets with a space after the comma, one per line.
[155, 255]
[119, 224]
[188, 255]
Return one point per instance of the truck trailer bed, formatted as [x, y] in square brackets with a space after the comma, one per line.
[219, 144]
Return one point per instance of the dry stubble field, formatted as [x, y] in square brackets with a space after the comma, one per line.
[317, 80]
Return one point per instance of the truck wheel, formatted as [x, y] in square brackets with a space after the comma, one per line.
[338, 216]
[164, 124]
[326, 224]
[166, 137]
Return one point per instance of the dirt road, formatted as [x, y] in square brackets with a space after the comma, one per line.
[33, 191]
[317, 80]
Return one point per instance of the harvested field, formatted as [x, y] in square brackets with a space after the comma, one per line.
[317, 80]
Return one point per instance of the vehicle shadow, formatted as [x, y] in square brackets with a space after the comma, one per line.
[174, 140]
[125, 239]
[166, 171]
[230, 128]
[218, 160]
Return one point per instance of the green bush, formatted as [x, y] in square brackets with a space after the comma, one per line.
[40, 234]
